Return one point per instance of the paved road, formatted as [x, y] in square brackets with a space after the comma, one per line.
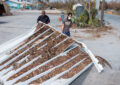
[113, 20]
[107, 47]
[13, 26]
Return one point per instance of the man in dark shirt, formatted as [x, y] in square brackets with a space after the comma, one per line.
[66, 24]
[43, 18]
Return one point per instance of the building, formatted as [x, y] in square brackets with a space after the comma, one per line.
[4, 8]
[18, 4]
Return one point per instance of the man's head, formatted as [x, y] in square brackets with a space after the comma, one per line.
[69, 16]
[43, 13]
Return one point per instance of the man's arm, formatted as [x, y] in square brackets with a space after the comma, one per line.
[38, 19]
[48, 20]
[71, 24]
[62, 27]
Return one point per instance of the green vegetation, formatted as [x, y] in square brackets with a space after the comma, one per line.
[84, 19]
[87, 18]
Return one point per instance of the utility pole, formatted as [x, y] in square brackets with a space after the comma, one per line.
[102, 12]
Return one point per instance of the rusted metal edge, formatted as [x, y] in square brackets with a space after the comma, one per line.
[92, 56]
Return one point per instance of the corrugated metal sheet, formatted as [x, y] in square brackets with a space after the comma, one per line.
[45, 57]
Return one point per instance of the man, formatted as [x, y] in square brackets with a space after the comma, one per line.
[66, 24]
[43, 18]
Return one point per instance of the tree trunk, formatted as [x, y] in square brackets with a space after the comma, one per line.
[102, 12]
[90, 16]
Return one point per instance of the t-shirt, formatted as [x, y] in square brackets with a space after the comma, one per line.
[45, 19]
[67, 24]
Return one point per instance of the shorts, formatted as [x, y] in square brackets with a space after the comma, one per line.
[66, 33]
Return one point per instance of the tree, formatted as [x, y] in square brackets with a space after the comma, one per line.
[102, 12]
[41, 1]
[90, 15]
[47, 1]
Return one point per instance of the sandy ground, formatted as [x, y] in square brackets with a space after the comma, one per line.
[106, 45]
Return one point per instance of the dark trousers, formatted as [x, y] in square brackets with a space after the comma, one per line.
[66, 33]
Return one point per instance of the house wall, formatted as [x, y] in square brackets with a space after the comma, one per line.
[13, 5]
[18, 4]
[24, 1]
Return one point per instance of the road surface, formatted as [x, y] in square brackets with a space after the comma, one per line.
[19, 23]
[107, 46]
